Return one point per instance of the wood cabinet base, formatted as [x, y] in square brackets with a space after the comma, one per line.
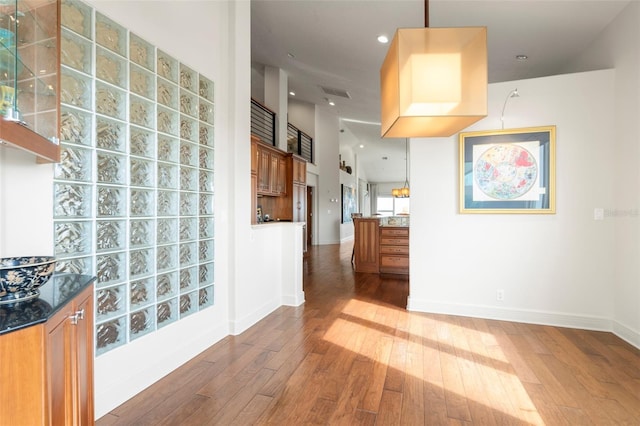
[47, 369]
[380, 249]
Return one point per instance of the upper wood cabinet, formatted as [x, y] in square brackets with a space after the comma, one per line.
[299, 170]
[254, 178]
[271, 171]
[278, 174]
[29, 69]
[264, 171]
[299, 188]
[278, 183]
[254, 154]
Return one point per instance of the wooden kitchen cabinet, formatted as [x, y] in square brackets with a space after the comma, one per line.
[366, 249]
[380, 248]
[278, 183]
[264, 171]
[278, 174]
[47, 369]
[299, 187]
[394, 250]
[299, 170]
[254, 178]
[272, 171]
[254, 154]
[70, 359]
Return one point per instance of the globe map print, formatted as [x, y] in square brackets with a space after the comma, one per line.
[505, 171]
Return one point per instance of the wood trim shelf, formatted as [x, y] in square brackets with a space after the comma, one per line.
[16, 135]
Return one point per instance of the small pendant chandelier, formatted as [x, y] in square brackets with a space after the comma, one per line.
[404, 192]
[433, 81]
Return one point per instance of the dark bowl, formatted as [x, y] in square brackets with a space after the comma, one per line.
[20, 277]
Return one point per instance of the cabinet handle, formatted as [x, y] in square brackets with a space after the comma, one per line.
[79, 315]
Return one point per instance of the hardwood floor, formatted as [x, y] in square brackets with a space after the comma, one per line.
[352, 355]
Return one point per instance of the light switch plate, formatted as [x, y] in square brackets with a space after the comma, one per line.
[598, 214]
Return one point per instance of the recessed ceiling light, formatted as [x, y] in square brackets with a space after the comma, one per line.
[332, 103]
[291, 55]
[361, 146]
[522, 57]
[383, 39]
[292, 93]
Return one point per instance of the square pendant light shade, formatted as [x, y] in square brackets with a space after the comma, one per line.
[433, 81]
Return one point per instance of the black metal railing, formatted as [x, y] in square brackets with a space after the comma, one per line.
[263, 122]
[298, 142]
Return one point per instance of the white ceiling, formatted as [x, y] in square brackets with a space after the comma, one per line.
[333, 43]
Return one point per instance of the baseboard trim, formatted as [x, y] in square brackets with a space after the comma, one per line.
[516, 315]
[627, 334]
[557, 319]
[294, 299]
[118, 378]
[239, 326]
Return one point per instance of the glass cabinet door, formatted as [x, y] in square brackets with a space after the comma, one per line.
[29, 64]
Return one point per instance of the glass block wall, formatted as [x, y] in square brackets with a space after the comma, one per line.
[134, 190]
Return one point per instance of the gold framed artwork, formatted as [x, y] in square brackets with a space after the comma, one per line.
[508, 171]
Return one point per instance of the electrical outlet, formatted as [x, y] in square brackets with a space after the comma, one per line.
[500, 295]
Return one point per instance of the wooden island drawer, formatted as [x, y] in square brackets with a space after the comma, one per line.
[386, 249]
[394, 232]
[394, 241]
[390, 263]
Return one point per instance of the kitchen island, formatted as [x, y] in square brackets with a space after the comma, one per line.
[381, 244]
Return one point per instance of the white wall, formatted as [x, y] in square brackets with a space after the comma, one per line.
[257, 83]
[26, 204]
[347, 229]
[313, 182]
[275, 98]
[384, 188]
[350, 158]
[328, 212]
[618, 47]
[269, 281]
[555, 269]
[302, 115]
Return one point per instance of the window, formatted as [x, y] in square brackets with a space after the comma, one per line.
[401, 206]
[385, 206]
[390, 206]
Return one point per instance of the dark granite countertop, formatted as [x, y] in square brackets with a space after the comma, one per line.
[56, 293]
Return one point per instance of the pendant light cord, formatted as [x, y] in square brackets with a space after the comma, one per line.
[406, 162]
[426, 13]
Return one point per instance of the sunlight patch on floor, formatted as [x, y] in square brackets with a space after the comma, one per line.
[462, 362]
